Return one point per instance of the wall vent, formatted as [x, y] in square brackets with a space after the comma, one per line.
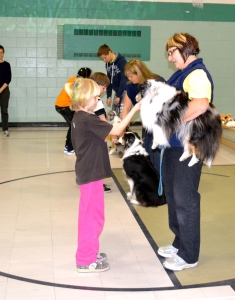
[94, 32]
[87, 55]
[81, 42]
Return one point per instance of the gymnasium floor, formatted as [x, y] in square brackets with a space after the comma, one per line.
[38, 230]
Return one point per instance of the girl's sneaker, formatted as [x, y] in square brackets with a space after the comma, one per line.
[101, 256]
[97, 266]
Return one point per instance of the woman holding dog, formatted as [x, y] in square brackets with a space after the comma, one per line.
[137, 73]
[181, 181]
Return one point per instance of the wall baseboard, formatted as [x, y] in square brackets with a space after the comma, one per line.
[37, 124]
[49, 124]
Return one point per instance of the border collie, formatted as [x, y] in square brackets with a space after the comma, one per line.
[141, 176]
[114, 119]
[162, 110]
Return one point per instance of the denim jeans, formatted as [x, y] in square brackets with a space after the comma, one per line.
[4, 100]
[67, 114]
[181, 188]
[153, 154]
[118, 108]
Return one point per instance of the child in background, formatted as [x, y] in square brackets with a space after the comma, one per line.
[92, 165]
[114, 65]
[103, 81]
[62, 106]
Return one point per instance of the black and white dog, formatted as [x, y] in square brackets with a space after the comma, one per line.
[114, 119]
[162, 111]
[142, 177]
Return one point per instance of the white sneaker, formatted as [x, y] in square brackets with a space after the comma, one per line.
[72, 152]
[167, 251]
[176, 263]
[6, 133]
[65, 149]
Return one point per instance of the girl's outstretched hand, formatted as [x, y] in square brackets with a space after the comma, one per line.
[137, 106]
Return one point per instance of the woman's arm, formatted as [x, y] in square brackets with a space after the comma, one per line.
[127, 105]
[198, 87]
[196, 107]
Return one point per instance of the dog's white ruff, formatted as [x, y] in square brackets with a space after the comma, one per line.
[135, 149]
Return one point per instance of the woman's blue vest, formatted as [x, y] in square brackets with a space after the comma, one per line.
[177, 80]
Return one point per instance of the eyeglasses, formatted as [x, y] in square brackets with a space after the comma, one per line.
[170, 52]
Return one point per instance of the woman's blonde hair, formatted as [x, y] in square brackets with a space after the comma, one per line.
[139, 68]
[81, 91]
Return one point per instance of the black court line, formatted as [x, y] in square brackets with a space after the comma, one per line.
[104, 289]
[215, 174]
[32, 176]
[175, 281]
[69, 171]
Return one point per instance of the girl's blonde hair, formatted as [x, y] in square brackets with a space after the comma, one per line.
[81, 91]
[139, 68]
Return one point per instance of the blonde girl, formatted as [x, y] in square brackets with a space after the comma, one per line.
[92, 166]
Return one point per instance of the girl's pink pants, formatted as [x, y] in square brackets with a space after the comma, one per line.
[90, 221]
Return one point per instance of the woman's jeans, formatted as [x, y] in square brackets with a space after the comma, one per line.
[67, 114]
[154, 155]
[4, 100]
[118, 108]
[181, 188]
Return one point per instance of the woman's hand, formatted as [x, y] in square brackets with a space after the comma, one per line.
[116, 100]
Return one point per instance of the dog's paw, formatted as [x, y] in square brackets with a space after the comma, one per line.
[129, 195]
[154, 146]
[184, 156]
[133, 201]
[112, 151]
[193, 160]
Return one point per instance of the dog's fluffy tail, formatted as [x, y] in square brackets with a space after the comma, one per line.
[205, 132]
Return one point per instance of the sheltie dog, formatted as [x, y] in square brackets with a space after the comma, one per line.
[162, 111]
[142, 177]
[114, 119]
